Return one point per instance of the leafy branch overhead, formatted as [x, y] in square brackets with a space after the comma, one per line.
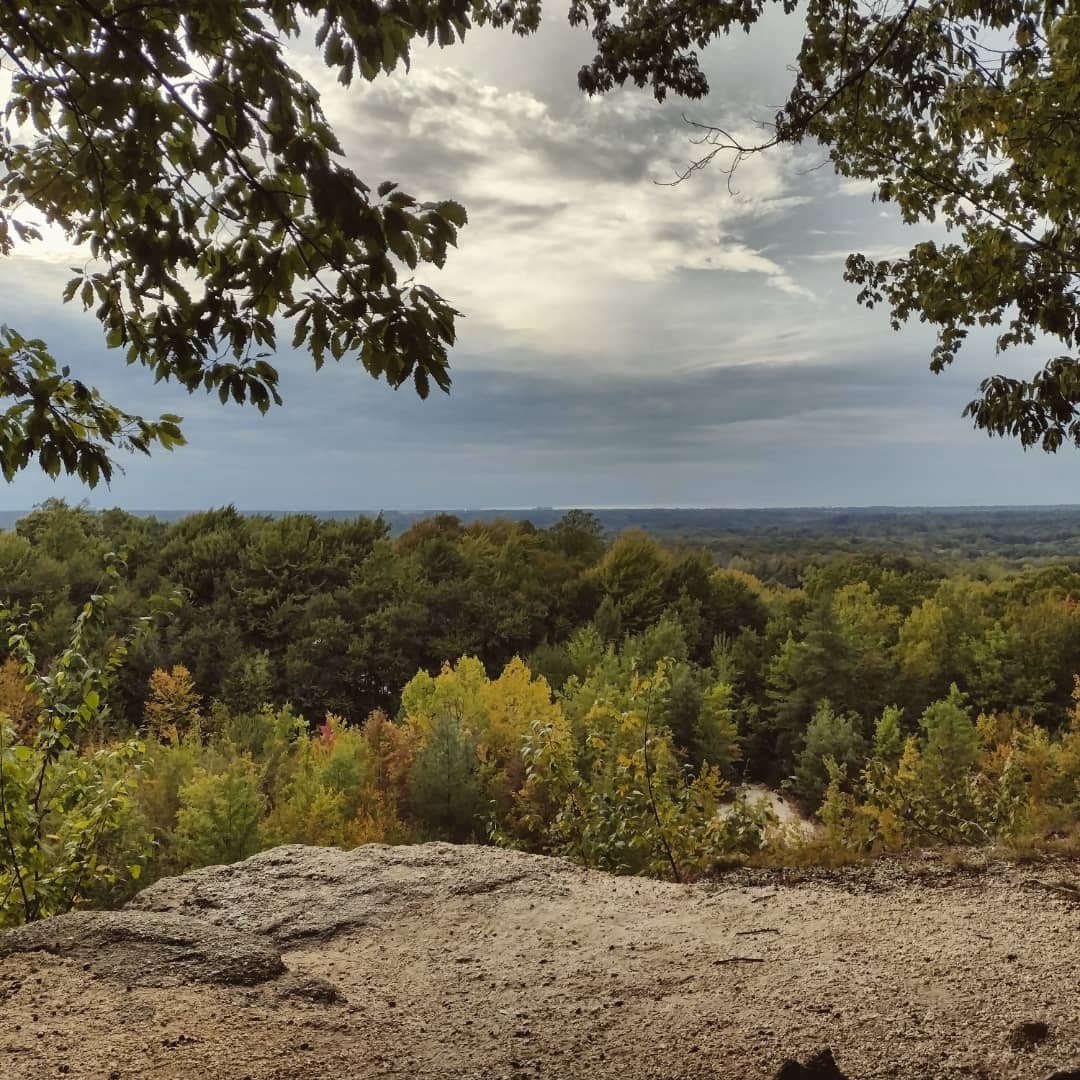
[964, 113]
[196, 166]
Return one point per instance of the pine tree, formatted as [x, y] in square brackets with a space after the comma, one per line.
[444, 791]
[829, 736]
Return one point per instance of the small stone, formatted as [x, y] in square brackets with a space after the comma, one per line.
[821, 1066]
[311, 988]
[1028, 1033]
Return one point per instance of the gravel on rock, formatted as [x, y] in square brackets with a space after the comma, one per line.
[139, 948]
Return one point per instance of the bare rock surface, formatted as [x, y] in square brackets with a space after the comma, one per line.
[143, 949]
[295, 893]
[476, 964]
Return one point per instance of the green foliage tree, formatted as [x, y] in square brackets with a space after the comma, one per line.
[869, 629]
[220, 815]
[999, 779]
[625, 802]
[68, 827]
[168, 768]
[193, 161]
[888, 736]
[716, 735]
[830, 737]
[443, 784]
[579, 535]
[249, 684]
[665, 639]
[811, 665]
[959, 111]
[952, 741]
[632, 575]
[492, 717]
[309, 611]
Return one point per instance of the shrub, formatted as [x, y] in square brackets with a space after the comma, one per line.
[69, 825]
[220, 815]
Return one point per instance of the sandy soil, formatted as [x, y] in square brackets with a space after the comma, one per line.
[473, 963]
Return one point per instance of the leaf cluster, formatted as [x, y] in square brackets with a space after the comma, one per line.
[180, 149]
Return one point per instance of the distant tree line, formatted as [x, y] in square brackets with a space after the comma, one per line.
[335, 616]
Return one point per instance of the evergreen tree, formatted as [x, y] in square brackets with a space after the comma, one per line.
[830, 736]
[952, 740]
[443, 783]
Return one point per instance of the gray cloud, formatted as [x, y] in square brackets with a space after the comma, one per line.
[661, 415]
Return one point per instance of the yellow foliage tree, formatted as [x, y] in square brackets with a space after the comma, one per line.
[330, 793]
[494, 715]
[17, 702]
[172, 709]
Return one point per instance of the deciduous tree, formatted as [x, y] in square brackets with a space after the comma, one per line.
[962, 113]
[180, 147]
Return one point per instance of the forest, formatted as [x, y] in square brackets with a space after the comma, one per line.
[187, 693]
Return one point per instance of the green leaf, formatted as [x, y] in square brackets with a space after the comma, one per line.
[454, 212]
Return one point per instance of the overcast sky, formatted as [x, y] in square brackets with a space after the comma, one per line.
[626, 343]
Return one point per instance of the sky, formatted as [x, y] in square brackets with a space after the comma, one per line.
[626, 342]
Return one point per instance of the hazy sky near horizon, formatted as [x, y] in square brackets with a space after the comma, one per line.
[626, 343]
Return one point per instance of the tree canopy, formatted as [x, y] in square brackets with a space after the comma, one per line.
[195, 164]
[963, 113]
[494, 681]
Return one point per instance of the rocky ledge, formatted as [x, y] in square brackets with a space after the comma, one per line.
[466, 962]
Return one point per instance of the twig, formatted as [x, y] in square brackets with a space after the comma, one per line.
[1070, 891]
[762, 930]
[740, 960]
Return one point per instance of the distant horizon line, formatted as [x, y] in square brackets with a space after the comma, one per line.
[547, 507]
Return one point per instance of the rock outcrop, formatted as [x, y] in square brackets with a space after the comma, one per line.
[467, 963]
[139, 948]
[295, 893]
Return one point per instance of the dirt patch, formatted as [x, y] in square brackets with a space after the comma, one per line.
[458, 962]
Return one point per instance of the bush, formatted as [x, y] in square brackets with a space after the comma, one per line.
[70, 831]
[625, 802]
[220, 815]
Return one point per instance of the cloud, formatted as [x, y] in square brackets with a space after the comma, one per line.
[566, 212]
[884, 251]
[668, 412]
